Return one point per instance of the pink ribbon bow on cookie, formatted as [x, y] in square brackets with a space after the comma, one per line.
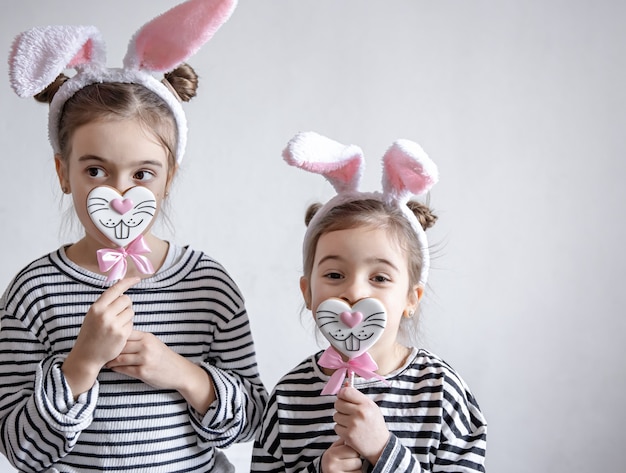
[363, 365]
[114, 260]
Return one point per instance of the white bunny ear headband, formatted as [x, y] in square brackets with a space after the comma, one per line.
[39, 55]
[407, 171]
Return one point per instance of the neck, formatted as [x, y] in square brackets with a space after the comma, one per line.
[391, 358]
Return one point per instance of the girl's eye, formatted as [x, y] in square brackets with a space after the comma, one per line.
[95, 172]
[332, 275]
[144, 175]
[379, 278]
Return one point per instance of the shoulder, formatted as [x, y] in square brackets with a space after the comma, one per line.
[428, 373]
[196, 266]
[202, 277]
[200, 265]
[302, 377]
[34, 278]
[432, 365]
[299, 390]
[43, 266]
[458, 401]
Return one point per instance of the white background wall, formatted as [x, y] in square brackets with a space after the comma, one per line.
[522, 104]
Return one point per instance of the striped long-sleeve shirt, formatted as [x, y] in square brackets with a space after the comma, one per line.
[434, 421]
[122, 424]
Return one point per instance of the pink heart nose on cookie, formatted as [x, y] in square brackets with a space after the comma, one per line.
[121, 206]
[351, 319]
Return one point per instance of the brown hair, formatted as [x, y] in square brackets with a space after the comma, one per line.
[371, 213]
[114, 100]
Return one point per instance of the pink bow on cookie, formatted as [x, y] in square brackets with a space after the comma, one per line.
[363, 365]
[114, 259]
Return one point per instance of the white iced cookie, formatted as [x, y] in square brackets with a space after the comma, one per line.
[121, 217]
[351, 330]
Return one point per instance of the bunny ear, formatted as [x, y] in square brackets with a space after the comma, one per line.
[171, 38]
[341, 165]
[39, 55]
[407, 170]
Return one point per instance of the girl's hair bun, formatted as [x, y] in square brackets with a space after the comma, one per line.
[310, 212]
[46, 95]
[184, 81]
[423, 213]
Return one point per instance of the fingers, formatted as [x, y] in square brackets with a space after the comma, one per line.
[132, 348]
[136, 336]
[130, 355]
[350, 394]
[118, 289]
[348, 401]
[341, 458]
[114, 302]
[360, 423]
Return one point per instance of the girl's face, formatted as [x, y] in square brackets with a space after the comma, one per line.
[117, 153]
[358, 263]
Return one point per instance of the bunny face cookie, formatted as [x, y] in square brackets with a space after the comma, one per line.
[121, 218]
[351, 330]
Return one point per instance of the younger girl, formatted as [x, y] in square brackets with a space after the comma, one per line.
[157, 371]
[420, 416]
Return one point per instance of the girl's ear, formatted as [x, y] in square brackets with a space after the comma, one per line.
[62, 174]
[420, 292]
[413, 300]
[305, 288]
[171, 172]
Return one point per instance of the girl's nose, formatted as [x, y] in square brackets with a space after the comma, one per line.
[353, 293]
[122, 184]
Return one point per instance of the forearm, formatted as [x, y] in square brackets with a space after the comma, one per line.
[79, 373]
[197, 387]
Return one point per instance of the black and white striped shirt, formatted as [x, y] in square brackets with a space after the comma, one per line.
[435, 422]
[121, 424]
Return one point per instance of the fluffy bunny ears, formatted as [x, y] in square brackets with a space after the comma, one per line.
[39, 55]
[407, 171]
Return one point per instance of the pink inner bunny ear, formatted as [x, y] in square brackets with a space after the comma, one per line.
[83, 56]
[171, 38]
[407, 170]
[39, 55]
[341, 165]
